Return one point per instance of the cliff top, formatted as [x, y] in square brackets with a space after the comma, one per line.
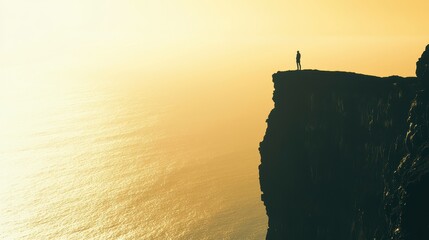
[318, 78]
[314, 73]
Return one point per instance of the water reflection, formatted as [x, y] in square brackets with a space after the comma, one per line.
[106, 163]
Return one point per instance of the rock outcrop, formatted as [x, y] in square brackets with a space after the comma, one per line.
[345, 156]
[422, 65]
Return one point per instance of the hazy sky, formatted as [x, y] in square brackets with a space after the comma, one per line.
[205, 69]
[152, 37]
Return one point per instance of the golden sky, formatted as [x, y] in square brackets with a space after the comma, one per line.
[155, 36]
[205, 67]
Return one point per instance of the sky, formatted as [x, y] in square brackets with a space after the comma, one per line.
[154, 39]
[210, 63]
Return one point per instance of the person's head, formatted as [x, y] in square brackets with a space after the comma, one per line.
[297, 51]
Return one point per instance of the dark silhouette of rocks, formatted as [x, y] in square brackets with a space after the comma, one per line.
[346, 156]
[408, 204]
[422, 65]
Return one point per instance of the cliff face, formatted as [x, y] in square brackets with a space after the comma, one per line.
[345, 156]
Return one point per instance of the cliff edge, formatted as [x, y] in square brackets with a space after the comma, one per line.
[345, 156]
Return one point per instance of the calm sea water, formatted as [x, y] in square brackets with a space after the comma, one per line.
[88, 161]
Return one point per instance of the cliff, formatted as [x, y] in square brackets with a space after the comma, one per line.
[345, 156]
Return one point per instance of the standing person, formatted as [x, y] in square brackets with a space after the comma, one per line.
[298, 60]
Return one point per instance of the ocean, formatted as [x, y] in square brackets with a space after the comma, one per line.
[90, 160]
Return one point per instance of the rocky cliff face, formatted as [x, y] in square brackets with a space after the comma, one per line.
[345, 156]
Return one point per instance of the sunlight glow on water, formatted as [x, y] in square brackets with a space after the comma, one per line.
[90, 163]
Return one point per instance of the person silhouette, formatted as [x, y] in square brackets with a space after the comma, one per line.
[298, 60]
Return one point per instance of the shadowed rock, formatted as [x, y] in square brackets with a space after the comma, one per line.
[422, 69]
[345, 156]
